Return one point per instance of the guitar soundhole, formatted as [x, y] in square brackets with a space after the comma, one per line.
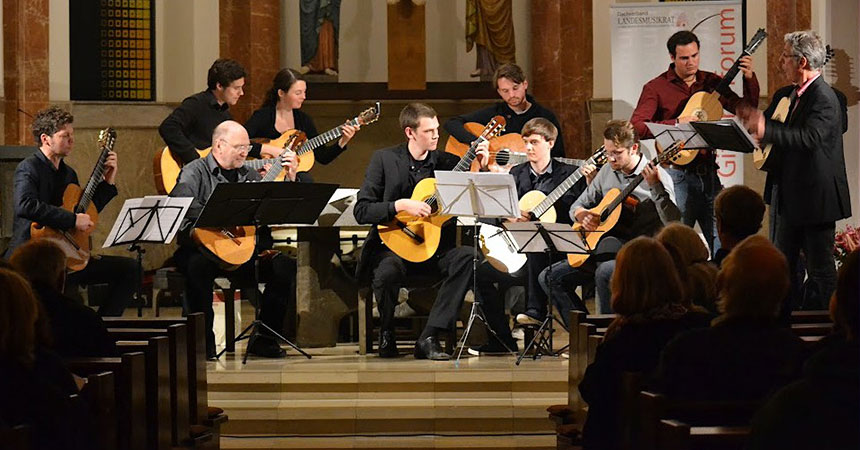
[503, 157]
[701, 115]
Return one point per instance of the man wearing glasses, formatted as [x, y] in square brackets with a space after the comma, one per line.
[226, 164]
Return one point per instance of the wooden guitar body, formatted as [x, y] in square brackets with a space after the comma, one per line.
[231, 247]
[75, 243]
[306, 160]
[593, 237]
[412, 238]
[511, 141]
[531, 199]
[703, 106]
[166, 167]
[762, 157]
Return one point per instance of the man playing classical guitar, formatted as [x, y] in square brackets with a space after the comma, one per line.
[40, 182]
[656, 207]
[663, 100]
[540, 173]
[517, 107]
[225, 164]
[807, 187]
[388, 184]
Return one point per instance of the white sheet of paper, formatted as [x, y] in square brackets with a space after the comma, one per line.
[482, 194]
[666, 135]
[132, 223]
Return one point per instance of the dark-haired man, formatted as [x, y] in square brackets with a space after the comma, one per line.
[663, 100]
[517, 107]
[41, 180]
[739, 211]
[190, 126]
[388, 184]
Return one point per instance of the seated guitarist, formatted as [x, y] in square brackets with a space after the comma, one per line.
[388, 184]
[41, 180]
[517, 107]
[663, 100]
[540, 173]
[656, 207]
[197, 180]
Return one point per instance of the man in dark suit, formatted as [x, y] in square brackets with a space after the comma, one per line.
[807, 187]
[540, 173]
[390, 179]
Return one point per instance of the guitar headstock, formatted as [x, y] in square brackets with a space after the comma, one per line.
[494, 128]
[669, 153]
[369, 115]
[830, 54]
[599, 156]
[107, 138]
[756, 40]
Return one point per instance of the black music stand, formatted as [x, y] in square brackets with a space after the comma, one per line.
[148, 220]
[726, 134]
[259, 204]
[549, 239]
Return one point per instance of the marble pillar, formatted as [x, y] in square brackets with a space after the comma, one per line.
[784, 16]
[562, 69]
[25, 66]
[250, 34]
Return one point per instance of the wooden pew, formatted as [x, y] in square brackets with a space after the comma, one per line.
[129, 392]
[676, 435]
[15, 438]
[812, 329]
[157, 354]
[99, 394]
[820, 316]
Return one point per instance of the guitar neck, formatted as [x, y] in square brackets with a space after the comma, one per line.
[95, 178]
[560, 190]
[730, 75]
[323, 139]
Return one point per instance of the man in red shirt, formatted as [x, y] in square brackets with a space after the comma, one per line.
[663, 100]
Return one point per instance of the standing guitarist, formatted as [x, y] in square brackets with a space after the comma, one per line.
[656, 207]
[225, 164]
[388, 184]
[663, 100]
[41, 180]
[517, 107]
[807, 186]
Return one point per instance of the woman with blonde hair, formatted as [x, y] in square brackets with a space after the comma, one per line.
[647, 296]
[690, 256]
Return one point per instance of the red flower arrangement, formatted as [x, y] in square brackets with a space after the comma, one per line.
[846, 242]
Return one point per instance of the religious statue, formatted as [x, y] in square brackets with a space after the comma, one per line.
[319, 23]
[490, 29]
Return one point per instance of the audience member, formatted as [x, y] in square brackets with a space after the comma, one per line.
[690, 255]
[822, 409]
[77, 330]
[739, 211]
[36, 385]
[646, 296]
[745, 354]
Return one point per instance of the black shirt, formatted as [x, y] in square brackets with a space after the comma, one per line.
[38, 196]
[262, 125]
[514, 122]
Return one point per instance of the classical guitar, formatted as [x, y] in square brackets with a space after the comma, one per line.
[762, 156]
[76, 243]
[496, 243]
[501, 148]
[416, 239]
[706, 105]
[235, 246]
[166, 165]
[609, 208]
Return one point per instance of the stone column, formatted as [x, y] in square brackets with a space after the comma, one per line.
[562, 70]
[784, 16]
[407, 49]
[25, 66]
[250, 33]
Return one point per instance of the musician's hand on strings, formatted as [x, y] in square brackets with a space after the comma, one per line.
[746, 66]
[110, 168]
[270, 151]
[483, 154]
[83, 222]
[348, 132]
[290, 163]
[589, 171]
[412, 207]
[650, 174]
[588, 219]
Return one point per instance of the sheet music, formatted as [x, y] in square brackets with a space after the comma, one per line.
[565, 239]
[133, 224]
[482, 194]
[666, 135]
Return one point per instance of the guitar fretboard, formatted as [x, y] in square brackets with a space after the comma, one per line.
[95, 178]
[561, 189]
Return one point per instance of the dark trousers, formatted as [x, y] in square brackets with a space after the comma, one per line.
[696, 188]
[390, 272]
[121, 274]
[817, 242]
[278, 272]
[490, 284]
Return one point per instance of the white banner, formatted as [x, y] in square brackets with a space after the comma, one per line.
[639, 33]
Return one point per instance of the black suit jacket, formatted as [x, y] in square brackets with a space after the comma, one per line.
[813, 185]
[560, 172]
[387, 180]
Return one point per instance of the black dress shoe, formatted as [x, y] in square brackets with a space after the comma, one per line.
[388, 345]
[266, 348]
[429, 348]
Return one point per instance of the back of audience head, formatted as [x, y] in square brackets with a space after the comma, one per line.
[690, 256]
[18, 315]
[753, 280]
[739, 211]
[41, 261]
[845, 303]
[644, 279]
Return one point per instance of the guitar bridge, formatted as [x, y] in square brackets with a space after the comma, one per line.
[412, 235]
